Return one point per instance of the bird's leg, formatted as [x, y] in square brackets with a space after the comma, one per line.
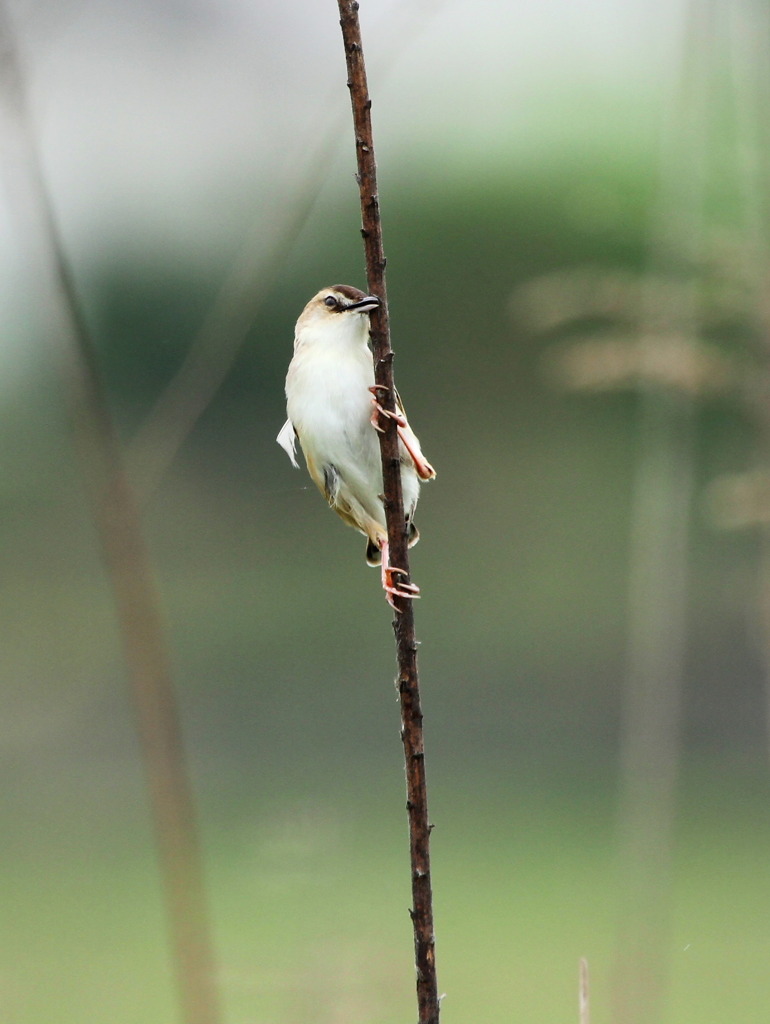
[392, 587]
[408, 437]
[380, 411]
[409, 440]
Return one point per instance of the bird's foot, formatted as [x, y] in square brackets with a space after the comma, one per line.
[380, 411]
[395, 588]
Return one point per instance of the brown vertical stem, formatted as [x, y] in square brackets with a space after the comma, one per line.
[127, 561]
[406, 644]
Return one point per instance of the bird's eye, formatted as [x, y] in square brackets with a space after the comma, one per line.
[331, 302]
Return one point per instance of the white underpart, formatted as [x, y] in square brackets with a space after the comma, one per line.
[332, 371]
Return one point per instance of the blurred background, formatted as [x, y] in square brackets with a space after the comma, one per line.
[573, 199]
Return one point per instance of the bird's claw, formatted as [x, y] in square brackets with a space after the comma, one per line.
[380, 411]
[395, 588]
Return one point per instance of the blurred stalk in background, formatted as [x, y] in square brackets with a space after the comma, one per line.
[662, 502]
[742, 500]
[672, 367]
[126, 557]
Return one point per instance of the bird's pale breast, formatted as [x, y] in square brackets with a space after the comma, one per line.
[332, 420]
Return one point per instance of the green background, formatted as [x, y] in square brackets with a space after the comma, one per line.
[283, 657]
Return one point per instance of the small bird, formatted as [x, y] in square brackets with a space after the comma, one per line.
[333, 408]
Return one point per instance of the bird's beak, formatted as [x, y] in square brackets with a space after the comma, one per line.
[365, 305]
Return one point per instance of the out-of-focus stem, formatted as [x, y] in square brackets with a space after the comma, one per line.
[128, 565]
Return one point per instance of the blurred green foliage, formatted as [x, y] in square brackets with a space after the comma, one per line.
[284, 658]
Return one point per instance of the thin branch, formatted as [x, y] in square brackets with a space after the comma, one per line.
[127, 562]
[406, 644]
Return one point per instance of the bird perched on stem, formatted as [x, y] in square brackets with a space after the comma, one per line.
[333, 407]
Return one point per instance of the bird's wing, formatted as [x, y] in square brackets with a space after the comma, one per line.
[411, 442]
[287, 439]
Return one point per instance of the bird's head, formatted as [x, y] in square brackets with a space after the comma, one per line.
[337, 307]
